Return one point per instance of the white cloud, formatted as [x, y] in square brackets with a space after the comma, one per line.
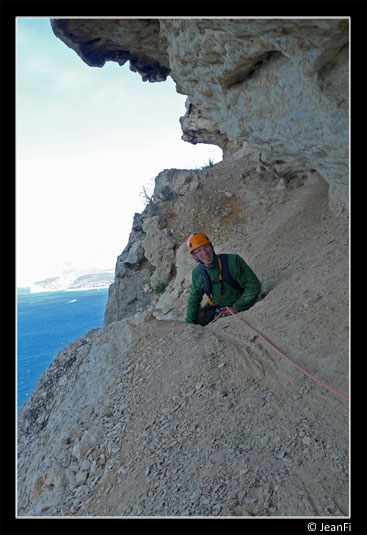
[79, 208]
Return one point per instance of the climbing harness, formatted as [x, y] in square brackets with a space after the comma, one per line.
[282, 354]
[224, 275]
[207, 283]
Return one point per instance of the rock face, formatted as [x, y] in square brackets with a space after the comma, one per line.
[102, 41]
[146, 417]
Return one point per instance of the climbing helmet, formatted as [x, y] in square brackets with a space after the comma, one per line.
[196, 240]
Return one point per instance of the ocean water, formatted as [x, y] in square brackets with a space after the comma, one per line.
[46, 323]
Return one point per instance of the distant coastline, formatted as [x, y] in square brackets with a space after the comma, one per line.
[27, 290]
[71, 280]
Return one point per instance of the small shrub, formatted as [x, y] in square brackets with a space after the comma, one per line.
[210, 164]
[160, 288]
[166, 194]
[147, 197]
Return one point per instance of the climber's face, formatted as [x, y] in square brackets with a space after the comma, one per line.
[205, 254]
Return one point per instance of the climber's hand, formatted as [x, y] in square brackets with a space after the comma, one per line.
[227, 311]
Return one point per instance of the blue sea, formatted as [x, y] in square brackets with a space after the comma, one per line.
[46, 323]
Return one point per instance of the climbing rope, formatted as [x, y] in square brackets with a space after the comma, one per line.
[282, 354]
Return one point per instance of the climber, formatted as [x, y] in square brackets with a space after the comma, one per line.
[226, 279]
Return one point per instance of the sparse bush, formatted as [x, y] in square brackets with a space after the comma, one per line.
[148, 199]
[209, 164]
[166, 194]
[173, 272]
[160, 288]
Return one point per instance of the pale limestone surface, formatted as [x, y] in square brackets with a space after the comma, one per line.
[150, 416]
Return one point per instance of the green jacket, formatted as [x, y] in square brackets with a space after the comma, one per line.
[240, 299]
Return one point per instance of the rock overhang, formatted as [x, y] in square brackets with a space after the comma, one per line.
[280, 86]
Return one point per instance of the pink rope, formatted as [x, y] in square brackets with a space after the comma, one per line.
[284, 356]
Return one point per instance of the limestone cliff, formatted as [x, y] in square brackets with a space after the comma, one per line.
[145, 417]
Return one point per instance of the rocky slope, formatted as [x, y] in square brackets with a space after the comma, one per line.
[150, 416]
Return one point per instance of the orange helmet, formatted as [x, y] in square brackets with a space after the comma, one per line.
[197, 240]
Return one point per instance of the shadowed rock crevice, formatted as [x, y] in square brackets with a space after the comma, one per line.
[249, 69]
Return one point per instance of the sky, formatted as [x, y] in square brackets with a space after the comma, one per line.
[87, 140]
